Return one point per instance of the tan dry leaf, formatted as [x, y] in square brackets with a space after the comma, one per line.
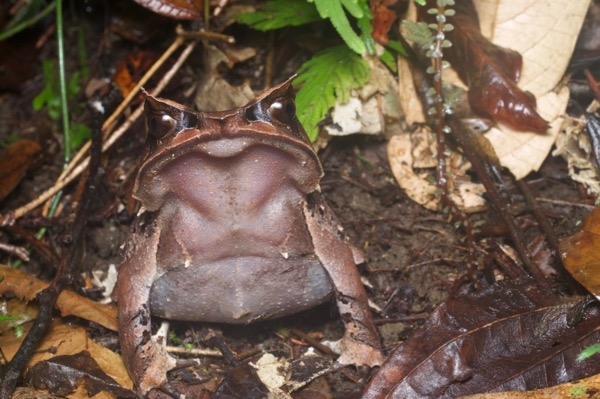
[25, 286]
[544, 32]
[63, 339]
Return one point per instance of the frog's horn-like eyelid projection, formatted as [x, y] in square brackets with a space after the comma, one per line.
[164, 117]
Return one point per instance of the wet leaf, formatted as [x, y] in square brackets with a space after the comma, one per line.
[490, 71]
[62, 374]
[506, 337]
[26, 287]
[581, 253]
[14, 162]
[177, 9]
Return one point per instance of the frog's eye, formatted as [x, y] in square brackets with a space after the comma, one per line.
[160, 125]
[283, 111]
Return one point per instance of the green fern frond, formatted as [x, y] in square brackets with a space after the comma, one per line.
[278, 14]
[334, 11]
[328, 78]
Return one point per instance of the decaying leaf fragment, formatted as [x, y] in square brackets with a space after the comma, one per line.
[509, 336]
[581, 253]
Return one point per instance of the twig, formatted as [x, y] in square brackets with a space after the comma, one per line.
[15, 250]
[565, 203]
[47, 297]
[194, 351]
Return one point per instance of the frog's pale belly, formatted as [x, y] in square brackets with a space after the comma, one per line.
[240, 290]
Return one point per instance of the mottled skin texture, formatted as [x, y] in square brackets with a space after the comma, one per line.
[233, 229]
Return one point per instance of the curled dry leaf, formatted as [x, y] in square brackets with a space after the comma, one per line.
[511, 335]
[409, 152]
[14, 162]
[26, 287]
[581, 253]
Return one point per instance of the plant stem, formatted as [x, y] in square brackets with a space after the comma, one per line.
[63, 84]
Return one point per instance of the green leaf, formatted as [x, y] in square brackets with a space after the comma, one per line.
[79, 133]
[278, 14]
[334, 11]
[327, 78]
[588, 352]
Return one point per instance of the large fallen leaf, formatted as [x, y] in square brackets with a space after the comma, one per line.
[26, 287]
[510, 336]
[490, 71]
[581, 253]
[544, 33]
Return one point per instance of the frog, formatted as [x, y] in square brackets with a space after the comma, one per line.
[233, 228]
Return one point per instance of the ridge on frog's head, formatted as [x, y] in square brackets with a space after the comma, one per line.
[269, 121]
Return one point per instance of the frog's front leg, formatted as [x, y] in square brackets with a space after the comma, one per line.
[361, 344]
[147, 361]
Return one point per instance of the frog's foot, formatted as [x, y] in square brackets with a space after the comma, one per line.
[359, 353]
[153, 362]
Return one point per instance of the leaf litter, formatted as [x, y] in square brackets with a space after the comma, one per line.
[382, 246]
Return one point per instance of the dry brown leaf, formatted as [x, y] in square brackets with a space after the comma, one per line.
[586, 388]
[64, 339]
[25, 286]
[544, 32]
[581, 253]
